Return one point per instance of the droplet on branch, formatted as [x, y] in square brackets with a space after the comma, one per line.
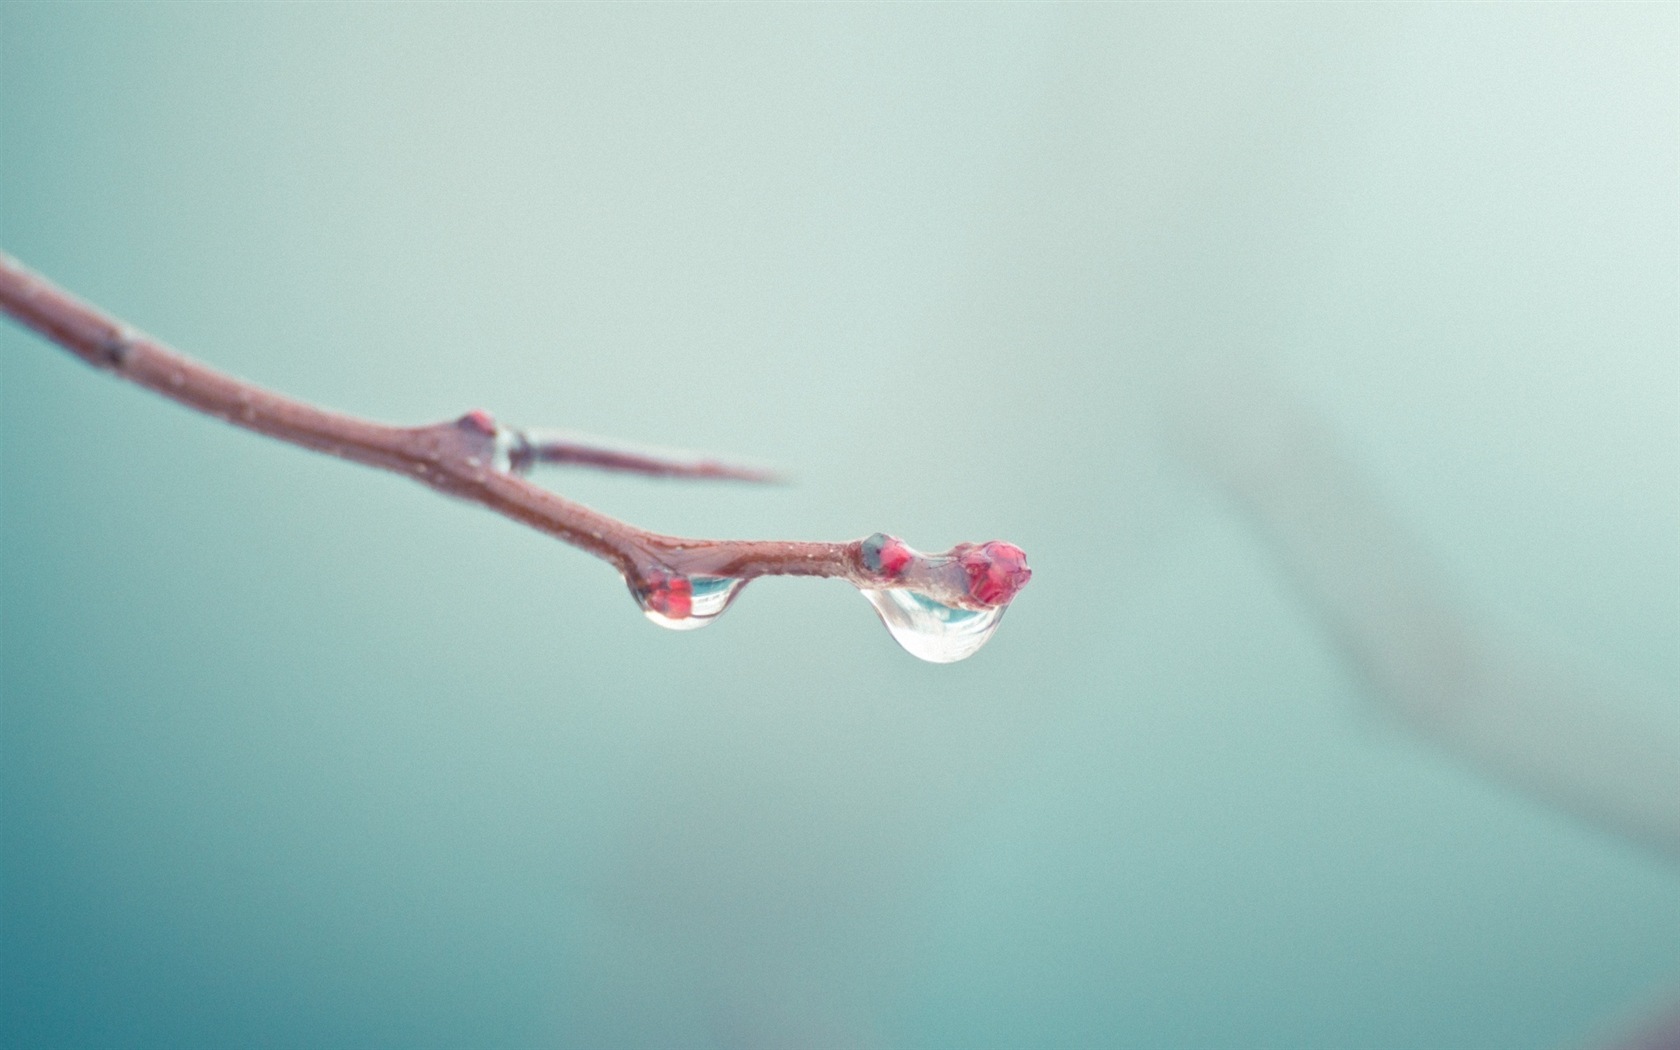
[683, 603]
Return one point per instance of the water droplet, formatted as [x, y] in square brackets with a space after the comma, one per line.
[505, 453]
[931, 630]
[491, 443]
[684, 603]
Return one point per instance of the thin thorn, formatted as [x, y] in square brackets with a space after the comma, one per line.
[546, 447]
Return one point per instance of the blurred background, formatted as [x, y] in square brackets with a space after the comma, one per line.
[293, 753]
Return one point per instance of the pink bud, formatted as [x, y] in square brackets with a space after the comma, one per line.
[886, 556]
[670, 596]
[996, 572]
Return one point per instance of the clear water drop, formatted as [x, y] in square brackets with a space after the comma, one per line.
[685, 603]
[931, 630]
[505, 452]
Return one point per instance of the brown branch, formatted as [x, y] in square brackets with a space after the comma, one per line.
[475, 458]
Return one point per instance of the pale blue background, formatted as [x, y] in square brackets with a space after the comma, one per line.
[296, 754]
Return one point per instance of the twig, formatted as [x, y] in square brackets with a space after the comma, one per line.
[475, 458]
[534, 446]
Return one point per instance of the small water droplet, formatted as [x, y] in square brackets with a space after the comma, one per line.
[505, 452]
[684, 603]
[930, 629]
[488, 442]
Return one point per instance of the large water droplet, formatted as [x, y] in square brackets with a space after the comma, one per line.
[685, 603]
[931, 630]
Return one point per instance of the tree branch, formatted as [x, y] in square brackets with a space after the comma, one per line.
[476, 458]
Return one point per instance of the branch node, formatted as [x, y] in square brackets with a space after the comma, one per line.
[116, 348]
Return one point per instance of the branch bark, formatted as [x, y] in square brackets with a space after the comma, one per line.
[477, 459]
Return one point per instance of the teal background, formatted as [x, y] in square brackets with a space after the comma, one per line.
[297, 754]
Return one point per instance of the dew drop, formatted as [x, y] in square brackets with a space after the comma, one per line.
[684, 603]
[504, 452]
[931, 630]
